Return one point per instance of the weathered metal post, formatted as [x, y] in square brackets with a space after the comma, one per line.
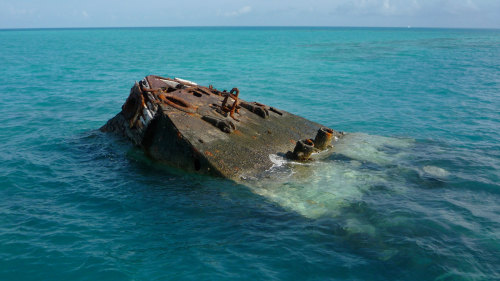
[323, 138]
[303, 150]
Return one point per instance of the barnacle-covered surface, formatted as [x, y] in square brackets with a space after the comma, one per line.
[208, 131]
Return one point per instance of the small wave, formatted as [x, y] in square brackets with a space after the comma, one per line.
[436, 172]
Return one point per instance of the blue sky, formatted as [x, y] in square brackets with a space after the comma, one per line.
[115, 13]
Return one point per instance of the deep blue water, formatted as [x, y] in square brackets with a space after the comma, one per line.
[412, 193]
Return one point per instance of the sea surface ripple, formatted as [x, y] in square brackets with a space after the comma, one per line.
[412, 192]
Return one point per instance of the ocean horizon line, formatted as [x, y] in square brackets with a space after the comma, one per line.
[249, 26]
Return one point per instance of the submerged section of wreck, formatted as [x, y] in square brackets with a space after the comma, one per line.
[204, 130]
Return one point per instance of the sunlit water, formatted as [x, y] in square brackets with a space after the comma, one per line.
[411, 193]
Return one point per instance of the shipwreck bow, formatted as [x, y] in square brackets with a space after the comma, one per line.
[204, 130]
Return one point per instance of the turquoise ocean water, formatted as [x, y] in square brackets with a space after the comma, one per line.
[412, 193]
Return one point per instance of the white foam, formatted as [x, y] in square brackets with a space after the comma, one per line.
[277, 160]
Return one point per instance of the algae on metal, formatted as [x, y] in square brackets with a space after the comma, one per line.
[204, 130]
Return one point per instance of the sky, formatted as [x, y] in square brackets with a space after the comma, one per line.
[139, 13]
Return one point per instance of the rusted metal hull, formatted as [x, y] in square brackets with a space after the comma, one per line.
[203, 130]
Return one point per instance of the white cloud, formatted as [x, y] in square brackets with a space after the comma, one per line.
[85, 14]
[18, 11]
[461, 6]
[379, 7]
[387, 8]
[241, 11]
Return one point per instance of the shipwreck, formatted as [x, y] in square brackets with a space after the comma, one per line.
[208, 131]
